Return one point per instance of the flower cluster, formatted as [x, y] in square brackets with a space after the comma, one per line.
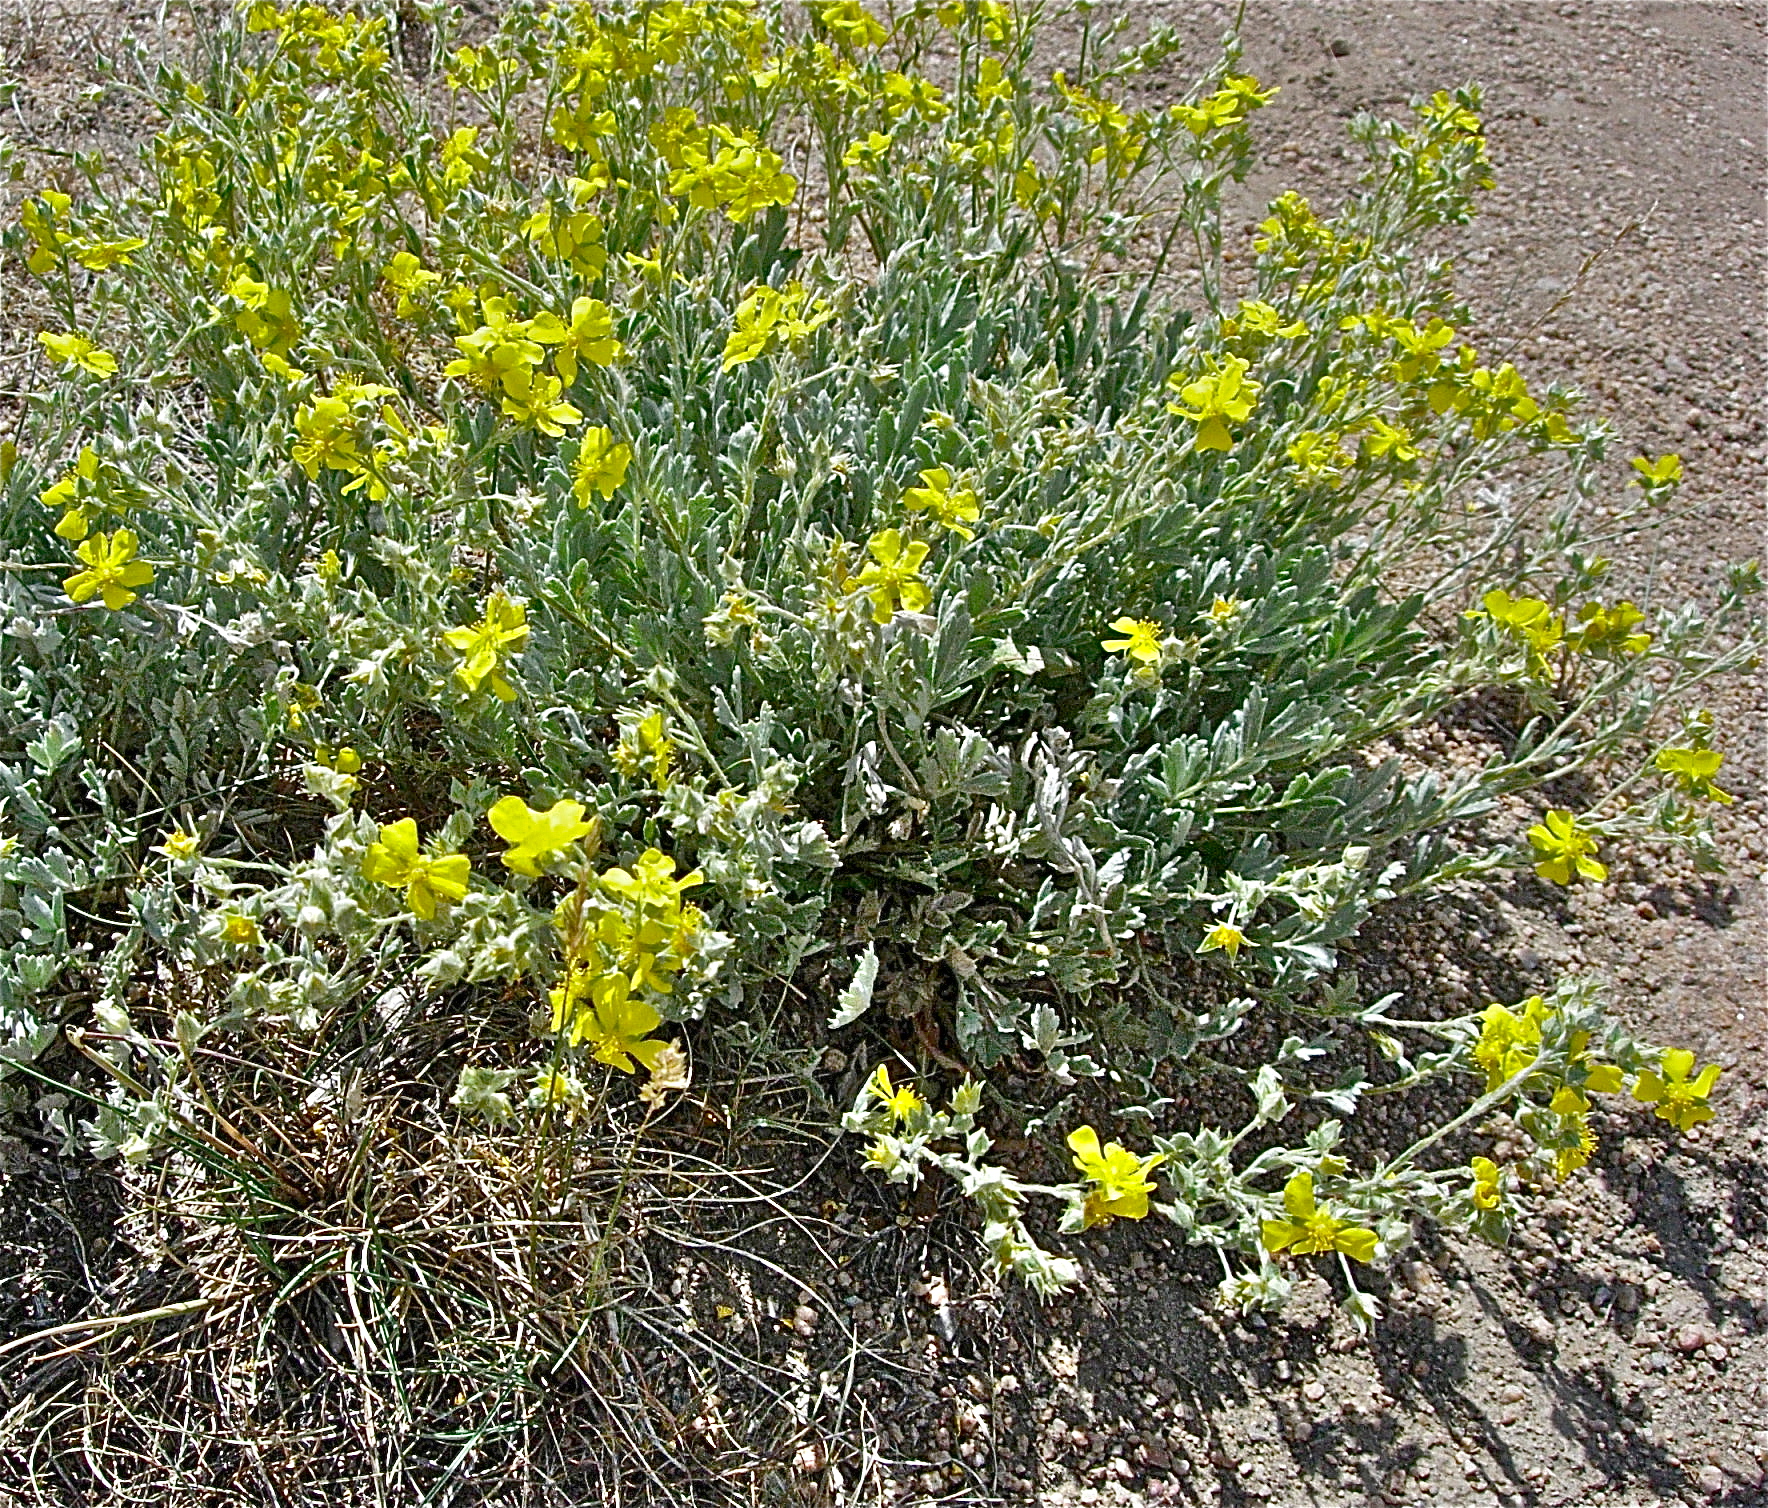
[625, 935]
[771, 319]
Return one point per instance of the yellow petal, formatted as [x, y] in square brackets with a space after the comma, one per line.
[1275, 1235]
[1648, 1088]
[512, 818]
[1678, 1064]
[1083, 1141]
[1358, 1245]
[400, 838]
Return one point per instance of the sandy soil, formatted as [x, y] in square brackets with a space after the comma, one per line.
[1617, 1353]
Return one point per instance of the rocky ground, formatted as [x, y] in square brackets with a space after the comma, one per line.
[1616, 1354]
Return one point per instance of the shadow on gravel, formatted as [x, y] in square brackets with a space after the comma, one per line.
[57, 1225]
[1715, 902]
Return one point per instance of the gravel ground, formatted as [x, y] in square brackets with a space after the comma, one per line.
[1616, 1354]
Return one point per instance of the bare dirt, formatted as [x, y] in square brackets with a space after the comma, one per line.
[1616, 1354]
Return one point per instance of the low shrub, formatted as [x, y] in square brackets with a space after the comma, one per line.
[532, 542]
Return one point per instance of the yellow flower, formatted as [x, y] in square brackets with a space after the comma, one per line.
[1119, 1178]
[602, 1011]
[461, 157]
[1694, 770]
[277, 367]
[1255, 317]
[868, 151]
[992, 83]
[1391, 440]
[427, 880]
[76, 351]
[499, 348]
[268, 318]
[1569, 1100]
[752, 328]
[79, 494]
[588, 337]
[1311, 1229]
[537, 834]
[1529, 619]
[328, 436]
[645, 746]
[577, 127]
[1565, 847]
[903, 94]
[503, 630]
[44, 219]
[408, 277]
[1141, 639]
[1222, 394]
[628, 936]
[1508, 1043]
[601, 465]
[1227, 107]
[651, 884]
[1610, 630]
[1423, 348]
[673, 132]
[1487, 1191]
[996, 16]
[1568, 1159]
[536, 399]
[487, 358]
[1447, 110]
[240, 930]
[1527, 616]
[1318, 456]
[327, 430]
[953, 507]
[1598, 1078]
[1680, 1100]
[575, 238]
[849, 22]
[891, 576]
[743, 177]
[180, 846]
[899, 1099]
[768, 315]
[111, 570]
[1225, 937]
[1664, 472]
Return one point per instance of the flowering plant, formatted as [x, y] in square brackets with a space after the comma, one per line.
[709, 437]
